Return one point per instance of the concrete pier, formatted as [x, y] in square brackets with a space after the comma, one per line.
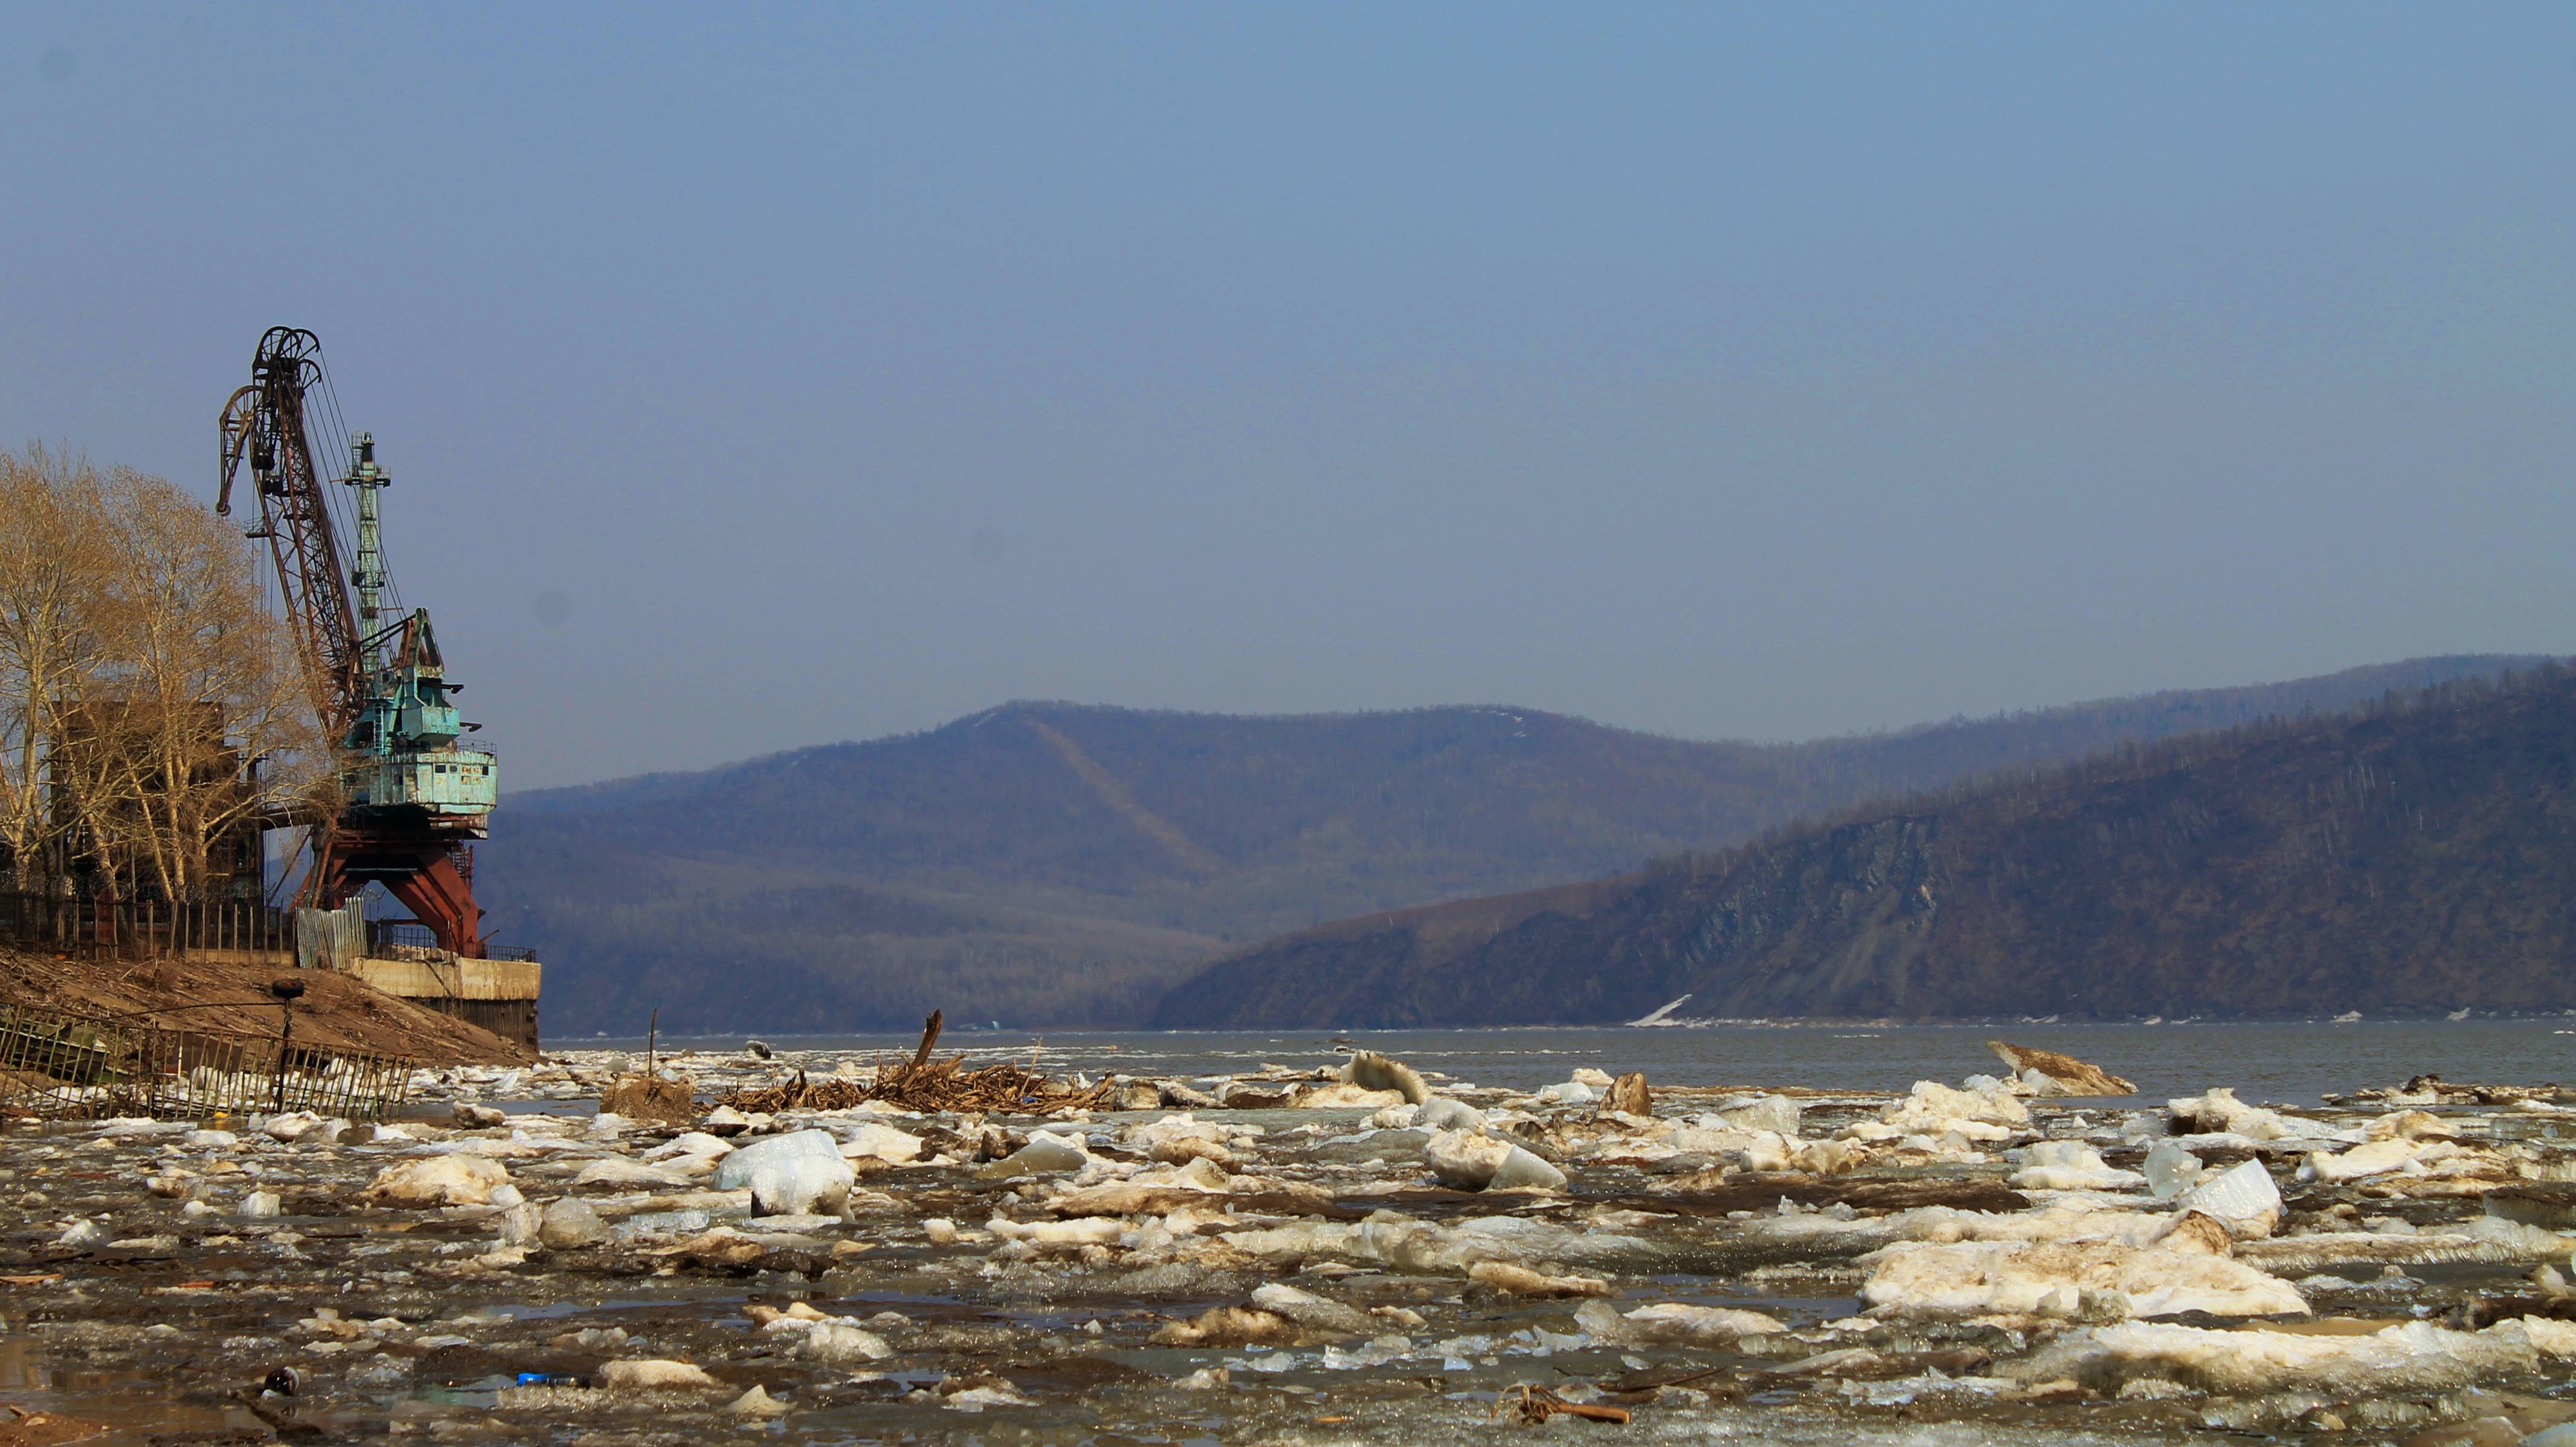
[498, 995]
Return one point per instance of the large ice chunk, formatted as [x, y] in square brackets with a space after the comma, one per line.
[1672, 1322]
[1768, 1112]
[2220, 1112]
[1933, 1108]
[797, 1174]
[1403, 1243]
[2170, 1170]
[1308, 1309]
[874, 1141]
[2088, 1278]
[458, 1180]
[1442, 1113]
[1468, 1161]
[1045, 1153]
[1371, 1071]
[2242, 1197]
[694, 1143]
[2376, 1158]
[619, 1171]
[2413, 1357]
[2070, 1166]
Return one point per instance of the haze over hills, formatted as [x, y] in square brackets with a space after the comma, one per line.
[1056, 864]
[2412, 856]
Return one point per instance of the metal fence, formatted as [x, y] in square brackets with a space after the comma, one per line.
[136, 929]
[100, 927]
[408, 939]
[70, 1067]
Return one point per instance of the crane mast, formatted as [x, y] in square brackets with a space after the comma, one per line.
[411, 797]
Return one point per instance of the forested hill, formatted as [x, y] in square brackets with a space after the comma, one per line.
[2412, 856]
[1051, 864]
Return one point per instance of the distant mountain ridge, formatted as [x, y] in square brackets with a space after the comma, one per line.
[2411, 856]
[1060, 864]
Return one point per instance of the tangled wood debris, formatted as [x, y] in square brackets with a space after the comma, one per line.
[925, 1084]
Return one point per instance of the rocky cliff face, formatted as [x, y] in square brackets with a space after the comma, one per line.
[2417, 856]
[1844, 920]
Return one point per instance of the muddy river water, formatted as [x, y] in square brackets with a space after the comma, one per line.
[1804, 1236]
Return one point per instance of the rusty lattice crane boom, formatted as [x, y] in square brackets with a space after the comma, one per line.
[412, 798]
[265, 421]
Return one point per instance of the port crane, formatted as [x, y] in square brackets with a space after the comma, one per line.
[412, 798]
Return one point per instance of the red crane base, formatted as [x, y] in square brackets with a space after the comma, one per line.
[417, 868]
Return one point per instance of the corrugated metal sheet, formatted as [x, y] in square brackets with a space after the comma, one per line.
[331, 939]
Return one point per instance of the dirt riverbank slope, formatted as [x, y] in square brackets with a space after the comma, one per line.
[337, 1011]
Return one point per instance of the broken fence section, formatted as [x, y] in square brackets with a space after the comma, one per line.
[68, 1067]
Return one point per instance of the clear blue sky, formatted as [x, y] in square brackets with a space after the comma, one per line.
[760, 376]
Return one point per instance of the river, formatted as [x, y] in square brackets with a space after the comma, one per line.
[2292, 1064]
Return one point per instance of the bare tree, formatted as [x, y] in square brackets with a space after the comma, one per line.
[53, 566]
[214, 721]
[153, 706]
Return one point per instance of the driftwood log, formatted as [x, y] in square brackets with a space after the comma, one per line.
[2073, 1076]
